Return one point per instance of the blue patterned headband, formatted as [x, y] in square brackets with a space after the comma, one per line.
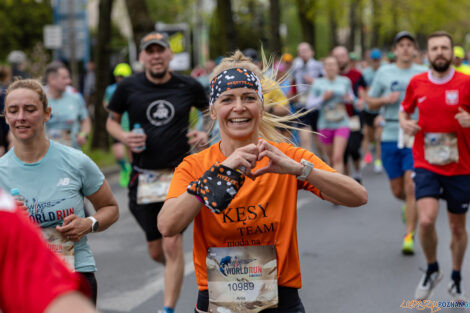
[234, 78]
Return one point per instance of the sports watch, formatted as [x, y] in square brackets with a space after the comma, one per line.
[306, 169]
[95, 224]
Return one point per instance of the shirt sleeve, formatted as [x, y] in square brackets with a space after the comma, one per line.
[92, 177]
[31, 275]
[376, 89]
[201, 102]
[362, 82]
[83, 112]
[314, 98]
[118, 101]
[409, 102]
[181, 179]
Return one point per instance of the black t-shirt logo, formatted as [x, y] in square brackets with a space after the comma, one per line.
[160, 112]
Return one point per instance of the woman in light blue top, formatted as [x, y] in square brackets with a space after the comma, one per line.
[329, 94]
[54, 179]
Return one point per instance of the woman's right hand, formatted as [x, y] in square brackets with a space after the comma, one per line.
[244, 157]
[327, 95]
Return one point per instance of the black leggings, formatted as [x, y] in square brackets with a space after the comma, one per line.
[91, 279]
[289, 301]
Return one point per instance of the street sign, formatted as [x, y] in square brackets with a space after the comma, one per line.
[71, 17]
[178, 37]
[52, 36]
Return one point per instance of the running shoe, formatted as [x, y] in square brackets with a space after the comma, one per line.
[378, 168]
[408, 247]
[456, 292]
[368, 158]
[426, 285]
[403, 214]
[125, 175]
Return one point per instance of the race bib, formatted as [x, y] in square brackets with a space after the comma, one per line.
[354, 123]
[153, 186]
[61, 136]
[335, 113]
[242, 279]
[405, 140]
[60, 245]
[441, 148]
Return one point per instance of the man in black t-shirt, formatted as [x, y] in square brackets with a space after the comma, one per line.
[160, 101]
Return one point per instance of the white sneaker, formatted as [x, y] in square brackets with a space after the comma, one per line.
[457, 293]
[427, 284]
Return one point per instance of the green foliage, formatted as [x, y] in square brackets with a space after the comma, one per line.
[176, 11]
[22, 24]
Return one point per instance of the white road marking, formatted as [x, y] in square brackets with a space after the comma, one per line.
[128, 300]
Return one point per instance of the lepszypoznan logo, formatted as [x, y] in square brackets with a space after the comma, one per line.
[160, 112]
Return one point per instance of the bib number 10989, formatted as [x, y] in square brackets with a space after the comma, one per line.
[241, 286]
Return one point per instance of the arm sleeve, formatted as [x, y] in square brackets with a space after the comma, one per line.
[409, 102]
[31, 275]
[92, 177]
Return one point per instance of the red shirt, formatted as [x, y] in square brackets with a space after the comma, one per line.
[357, 82]
[438, 103]
[31, 276]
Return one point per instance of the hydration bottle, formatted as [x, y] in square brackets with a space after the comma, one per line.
[15, 193]
[138, 130]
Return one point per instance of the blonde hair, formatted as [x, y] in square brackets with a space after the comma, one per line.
[269, 123]
[31, 84]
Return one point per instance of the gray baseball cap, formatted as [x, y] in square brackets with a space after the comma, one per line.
[154, 38]
[401, 35]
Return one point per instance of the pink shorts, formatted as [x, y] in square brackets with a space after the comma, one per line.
[327, 135]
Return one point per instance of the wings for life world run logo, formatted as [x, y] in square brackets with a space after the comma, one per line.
[40, 211]
[229, 265]
[160, 112]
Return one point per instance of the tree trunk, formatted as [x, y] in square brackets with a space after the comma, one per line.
[227, 26]
[141, 22]
[275, 16]
[375, 23]
[360, 23]
[333, 24]
[103, 54]
[307, 25]
[352, 24]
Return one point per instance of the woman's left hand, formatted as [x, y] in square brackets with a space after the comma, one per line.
[278, 161]
[74, 227]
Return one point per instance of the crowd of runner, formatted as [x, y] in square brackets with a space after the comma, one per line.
[264, 131]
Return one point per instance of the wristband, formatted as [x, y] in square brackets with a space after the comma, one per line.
[217, 187]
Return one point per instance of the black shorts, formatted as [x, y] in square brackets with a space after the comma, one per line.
[289, 301]
[145, 214]
[369, 118]
[91, 280]
[353, 147]
[309, 119]
[454, 189]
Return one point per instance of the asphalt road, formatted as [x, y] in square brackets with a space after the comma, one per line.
[350, 258]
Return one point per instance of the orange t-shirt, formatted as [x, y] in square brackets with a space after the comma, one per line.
[264, 212]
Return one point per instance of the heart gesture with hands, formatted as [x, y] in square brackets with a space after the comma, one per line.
[243, 159]
[278, 162]
[247, 156]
